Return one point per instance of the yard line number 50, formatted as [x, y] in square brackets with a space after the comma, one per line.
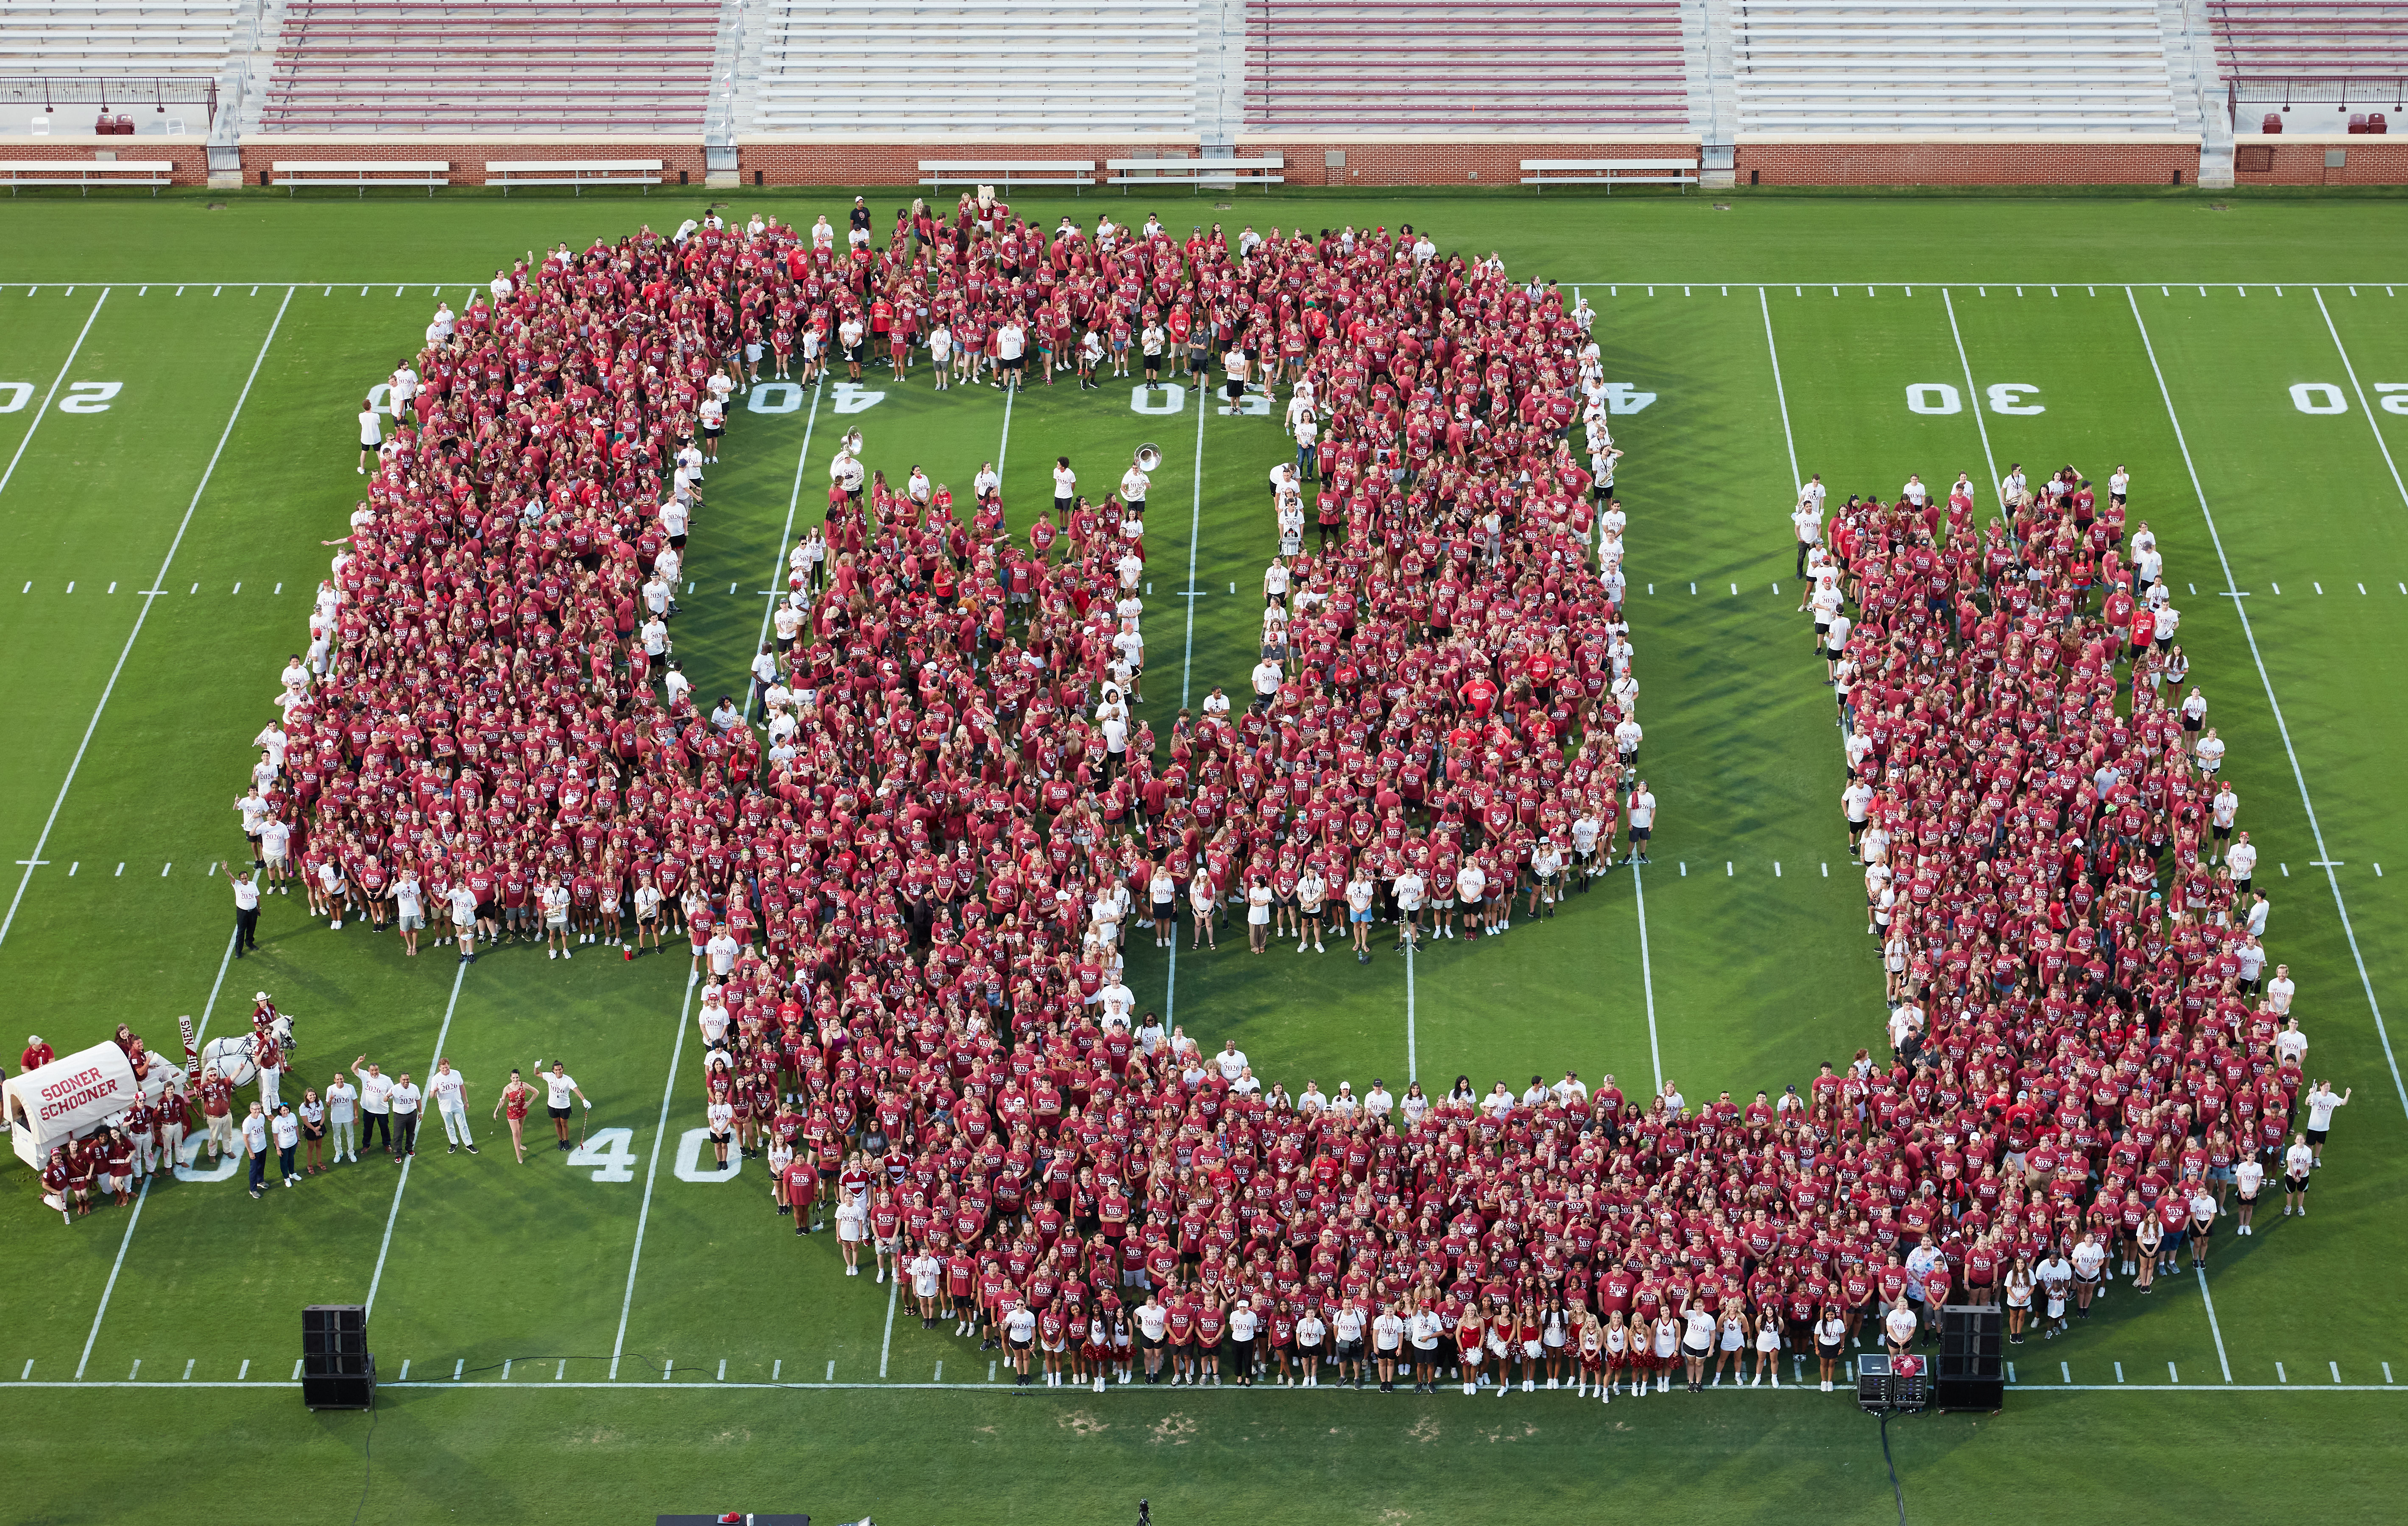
[79, 397]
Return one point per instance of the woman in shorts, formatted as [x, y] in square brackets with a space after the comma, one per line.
[2019, 1297]
[1768, 1349]
[2202, 1222]
[2148, 1238]
[1697, 1345]
[1311, 1337]
[1616, 1348]
[1730, 1345]
[312, 1114]
[2248, 1178]
[1163, 889]
[1831, 1340]
[1211, 1323]
[1664, 1350]
[852, 1222]
[1203, 905]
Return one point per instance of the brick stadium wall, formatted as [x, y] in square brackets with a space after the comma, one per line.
[806, 161]
[2300, 160]
[1965, 161]
[1446, 161]
[191, 155]
[467, 154]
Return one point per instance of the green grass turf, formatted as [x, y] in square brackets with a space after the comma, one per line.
[1754, 978]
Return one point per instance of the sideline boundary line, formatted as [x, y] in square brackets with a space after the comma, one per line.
[144, 613]
[705, 1385]
[394, 1213]
[651, 1173]
[2282, 728]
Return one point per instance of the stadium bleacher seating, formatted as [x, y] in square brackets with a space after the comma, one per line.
[2319, 39]
[1951, 66]
[492, 67]
[1433, 65]
[121, 38]
[1109, 68]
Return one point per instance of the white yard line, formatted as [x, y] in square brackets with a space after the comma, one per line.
[384, 1246]
[895, 1287]
[140, 615]
[36, 422]
[2380, 443]
[1413, 1056]
[200, 1036]
[2299, 777]
[651, 1173]
[1647, 974]
[2213, 1328]
[1973, 393]
[1187, 665]
[778, 571]
[1780, 394]
[1003, 447]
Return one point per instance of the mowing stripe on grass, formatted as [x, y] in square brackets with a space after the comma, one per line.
[651, 1174]
[55, 383]
[394, 1213]
[2380, 444]
[144, 613]
[2282, 728]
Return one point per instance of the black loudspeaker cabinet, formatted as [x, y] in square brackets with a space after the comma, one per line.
[337, 1371]
[341, 1390]
[1972, 1369]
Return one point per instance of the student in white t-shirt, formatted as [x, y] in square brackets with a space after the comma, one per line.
[371, 434]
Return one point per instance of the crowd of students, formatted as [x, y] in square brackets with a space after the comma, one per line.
[909, 886]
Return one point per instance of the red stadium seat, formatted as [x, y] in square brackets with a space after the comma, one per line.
[2358, 121]
[2376, 126]
[2274, 123]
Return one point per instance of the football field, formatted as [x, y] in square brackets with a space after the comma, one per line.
[631, 1332]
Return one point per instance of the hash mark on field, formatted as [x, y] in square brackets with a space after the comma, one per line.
[246, 1370]
[405, 1371]
[296, 1367]
[1727, 870]
[2335, 1368]
[197, 588]
[458, 1367]
[1826, 869]
[940, 1372]
[188, 1369]
[831, 1376]
[723, 1361]
[2280, 1375]
[121, 869]
[70, 586]
[2171, 1375]
[163, 868]
[2277, 588]
[237, 588]
[73, 867]
[2119, 1373]
[280, 588]
[2386, 1372]
[562, 1371]
[780, 1362]
[27, 1375]
[506, 1368]
[2361, 588]
[137, 1371]
[1776, 868]
[2318, 586]
[1684, 868]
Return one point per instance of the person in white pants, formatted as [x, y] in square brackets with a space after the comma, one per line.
[449, 1089]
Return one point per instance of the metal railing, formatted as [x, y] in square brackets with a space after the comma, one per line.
[160, 92]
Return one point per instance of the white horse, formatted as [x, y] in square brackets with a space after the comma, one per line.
[230, 1057]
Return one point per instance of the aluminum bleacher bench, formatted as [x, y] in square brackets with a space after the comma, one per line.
[292, 174]
[1267, 172]
[87, 173]
[1008, 172]
[1610, 173]
[579, 173]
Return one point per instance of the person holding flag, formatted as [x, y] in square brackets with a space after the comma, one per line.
[560, 1086]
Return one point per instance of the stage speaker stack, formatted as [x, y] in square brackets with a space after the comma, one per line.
[337, 1371]
[1972, 1372]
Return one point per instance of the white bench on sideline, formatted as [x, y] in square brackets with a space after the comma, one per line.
[1267, 172]
[292, 174]
[1609, 172]
[579, 173]
[87, 173]
[940, 172]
